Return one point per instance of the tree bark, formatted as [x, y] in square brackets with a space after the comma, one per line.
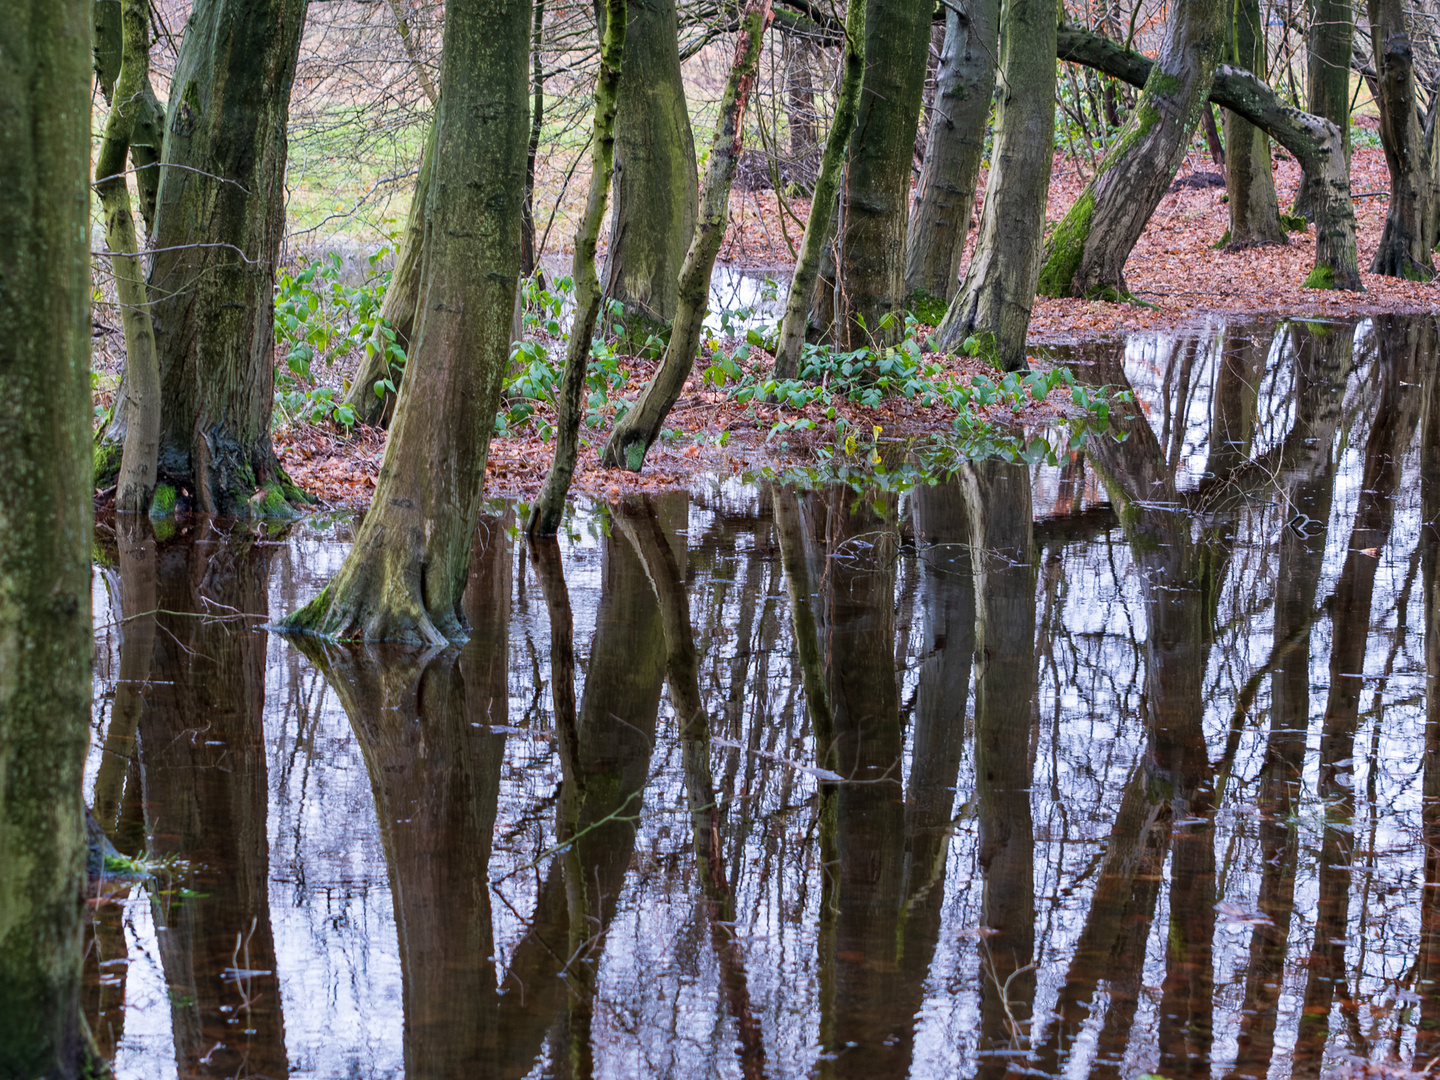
[404, 576]
[219, 221]
[656, 189]
[1409, 234]
[1315, 142]
[1249, 174]
[1086, 253]
[1329, 43]
[548, 508]
[820, 225]
[999, 287]
[147, 131]
[45, 642]
[945, 196]
[135, 483]
[870, 254]
[640, 427]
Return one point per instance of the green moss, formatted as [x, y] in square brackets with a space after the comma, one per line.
[1293, 223]
[634, 456]
[1067, 247]
[164, 528]
[927, 307]
[105, 462]
[1223, 241]
[308, 619]
[163, 504]
[274, 502]
[1322, 277]
[1108, 293]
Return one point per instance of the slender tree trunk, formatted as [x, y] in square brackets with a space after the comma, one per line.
[547, 509]
[1315, 142]
[135, 483]
[45, 643]
[528, 254]
[1409, 235]
[1249, 174]
[374, 403]
[820, 225]
[147, 130]
[405, 574]
[945, 197]
[999, 286]
[640, 427]
[1329, 43]
[876, 199]
[655, 179]
[1086, 253]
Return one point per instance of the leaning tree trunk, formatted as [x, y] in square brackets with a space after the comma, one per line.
[655, 185]
[870, 252]
[1329, 44]
[135, 483]
[945, 196]
[1249, 174]
[1086, 253]
[545, 513]
[1315, 142]
[638, 429]
[820, 225]
[405, 573]
[372, 400]
[999, 287]
[147, 130]
[218, 226]
[45, 629]
[1409, 234]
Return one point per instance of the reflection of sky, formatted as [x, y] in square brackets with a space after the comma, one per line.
[660, 1007]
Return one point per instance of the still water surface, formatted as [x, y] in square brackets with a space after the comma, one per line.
[1115, 768]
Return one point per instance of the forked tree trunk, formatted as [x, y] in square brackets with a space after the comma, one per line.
[135, 483]
[45, 632]
[945, 196]
[1329, 43]
[218, 227]
[640, 427]
[1249, 174]
[1315, 142]
[405, 574]
[1409, 234]
[147, 129]
[655, 179]
[820, 225]
[1086, 253]
[546, 511]
[999, 288]
[876, 197]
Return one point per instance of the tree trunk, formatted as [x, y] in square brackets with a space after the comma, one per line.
[219, 221]
[945, 196]
[655, 178]
[405, 574]
[1409, 234]
[45, 634]
[640, 427]
[1329, 44]
[147, 131]
[1315, 142]
[1249, 174]
[820, 225]
[548, 508]
[999, 286]
[528, 254]
[1086, 253]
[876, 200]
[135, 483]
[373, 402]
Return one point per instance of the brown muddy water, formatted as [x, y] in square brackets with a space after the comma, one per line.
[1128, 766]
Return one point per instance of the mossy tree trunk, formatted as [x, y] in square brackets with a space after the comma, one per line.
[45, 643]
[640, 427]
[374, 403]
[1249, 174]
[405, 574]
[147, 129]
[656, 192]
[1409, 234]
[1316, 143]
[547, 509]
[1329, 44]
[820, 225]
[945, 196]
[1086, 253]
[999, 286]
[219, 221]
[876, 199]
[135, 483]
